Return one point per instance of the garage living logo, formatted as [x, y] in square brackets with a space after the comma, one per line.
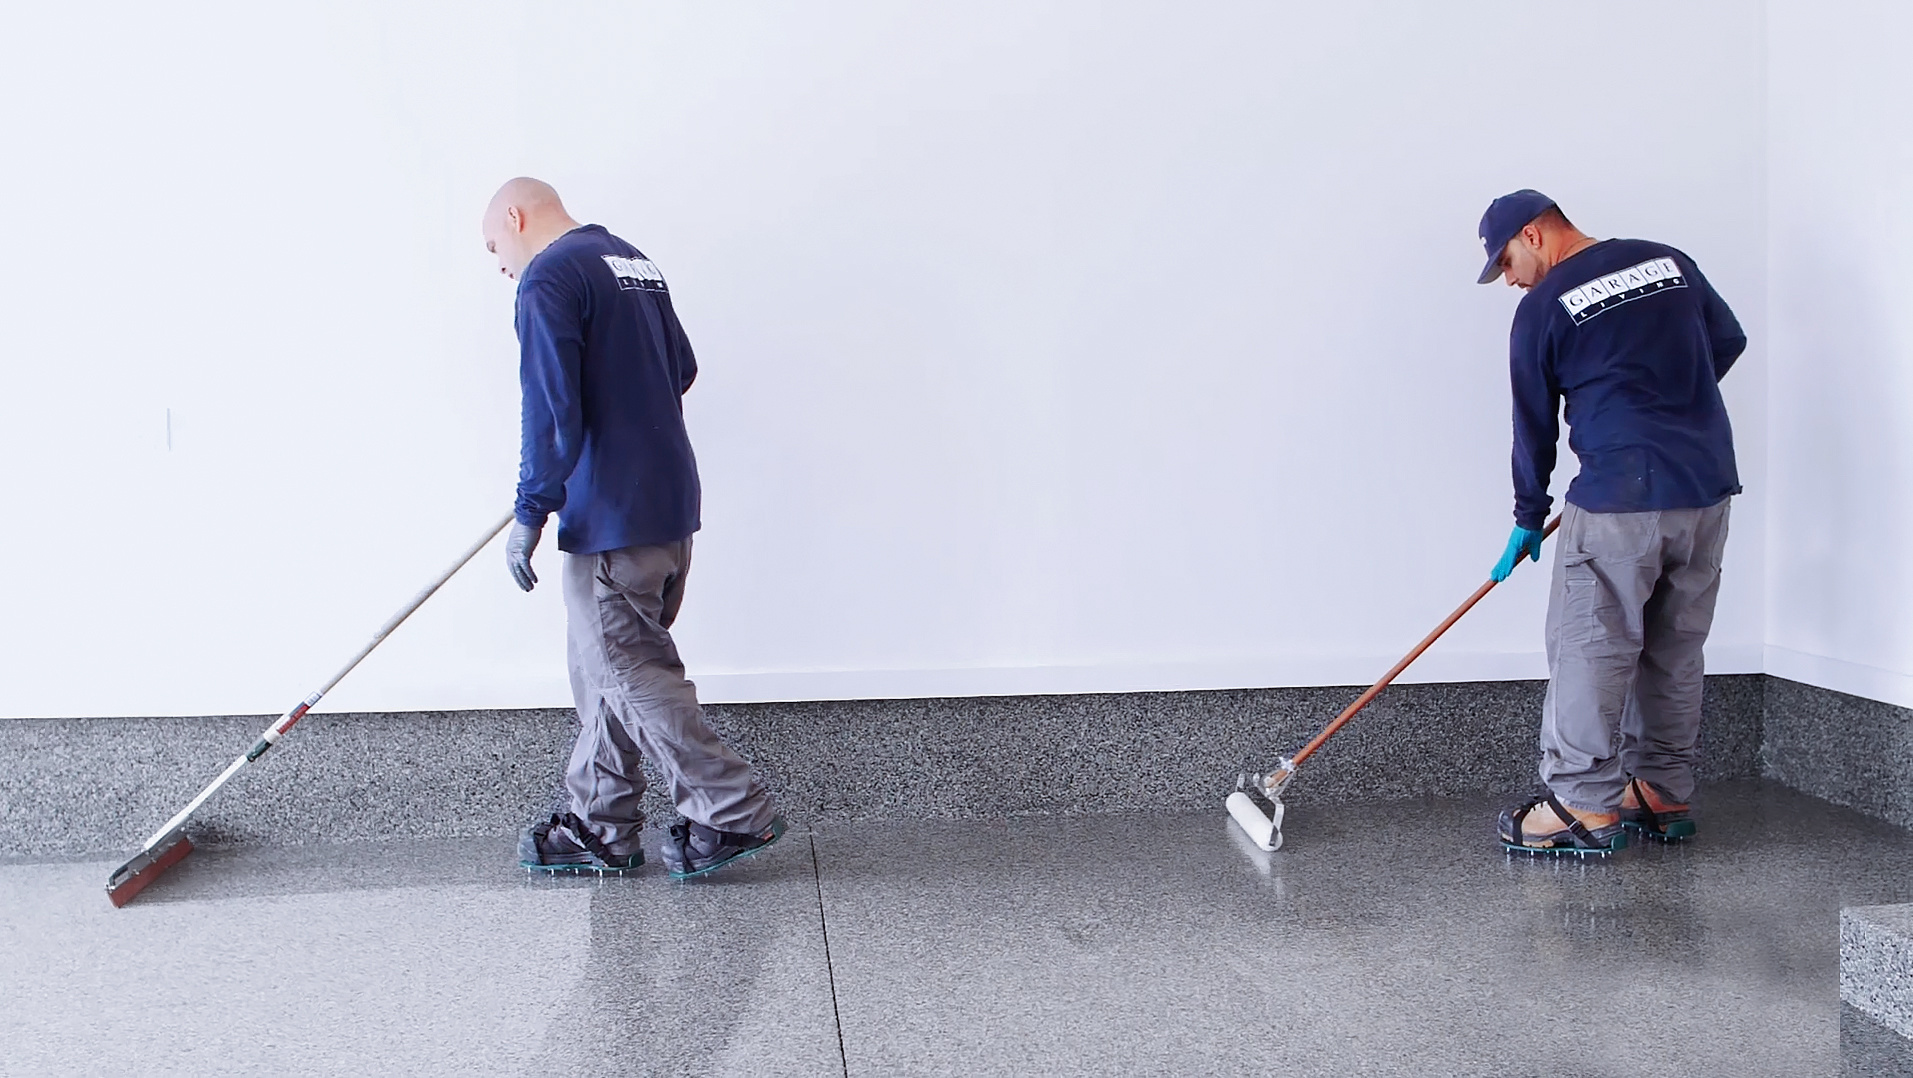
[1615, 289]
[636, 273]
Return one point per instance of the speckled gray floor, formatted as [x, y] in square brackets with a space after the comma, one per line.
[413, 958]
[1384, 939]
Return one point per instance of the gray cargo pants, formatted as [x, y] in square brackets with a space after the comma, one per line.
[1631, 604]
[633, 698]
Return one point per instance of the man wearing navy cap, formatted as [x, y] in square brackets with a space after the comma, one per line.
[1635, 341]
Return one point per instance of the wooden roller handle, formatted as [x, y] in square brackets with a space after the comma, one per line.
[1375, 690]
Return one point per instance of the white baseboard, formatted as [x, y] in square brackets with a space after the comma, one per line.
[1854, 679]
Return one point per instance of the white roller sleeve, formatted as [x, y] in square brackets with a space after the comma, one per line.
[1265, 831]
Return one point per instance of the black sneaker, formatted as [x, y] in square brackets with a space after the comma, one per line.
[565, 844]
[692, 849]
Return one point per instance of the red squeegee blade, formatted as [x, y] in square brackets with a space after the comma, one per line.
[132, 877]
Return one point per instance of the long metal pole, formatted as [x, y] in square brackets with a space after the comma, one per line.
[291, 718]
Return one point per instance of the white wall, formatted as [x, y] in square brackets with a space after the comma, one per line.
[1840, 607]
[1045, 347]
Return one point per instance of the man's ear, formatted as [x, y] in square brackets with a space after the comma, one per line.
[1531, 235]
[514, 218]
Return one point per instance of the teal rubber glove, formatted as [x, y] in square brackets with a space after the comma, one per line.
[1522, 541]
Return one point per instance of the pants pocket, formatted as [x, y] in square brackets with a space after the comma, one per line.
[1617, 537]
[1713, 537]
[1580, 598]
[1600, 614]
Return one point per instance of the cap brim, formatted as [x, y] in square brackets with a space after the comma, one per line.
[1491, 270]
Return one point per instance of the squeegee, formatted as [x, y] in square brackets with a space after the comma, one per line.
[169, 845]
[1256, 805]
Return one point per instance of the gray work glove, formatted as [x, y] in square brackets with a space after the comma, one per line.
[518, 548]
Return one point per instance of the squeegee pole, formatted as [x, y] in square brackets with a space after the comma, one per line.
[193, 806]
[417, 601]
[291, 718]
[1375, 690]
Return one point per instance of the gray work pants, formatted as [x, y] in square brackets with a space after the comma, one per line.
[1631, 604]
[633, 698]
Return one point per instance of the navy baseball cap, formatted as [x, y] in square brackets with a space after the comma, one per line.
[1505, 219]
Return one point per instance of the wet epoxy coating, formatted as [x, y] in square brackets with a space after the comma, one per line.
[1383, 939]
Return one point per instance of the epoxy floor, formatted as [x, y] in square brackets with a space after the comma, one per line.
[1382, 940]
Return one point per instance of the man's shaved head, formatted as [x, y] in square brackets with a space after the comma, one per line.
[527, 194]
[522, 220]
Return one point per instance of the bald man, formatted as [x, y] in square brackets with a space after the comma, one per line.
[1635, 342]
[603, 367]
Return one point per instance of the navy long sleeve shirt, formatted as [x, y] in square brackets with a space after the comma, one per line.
[1636, 341]
[604, 365]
